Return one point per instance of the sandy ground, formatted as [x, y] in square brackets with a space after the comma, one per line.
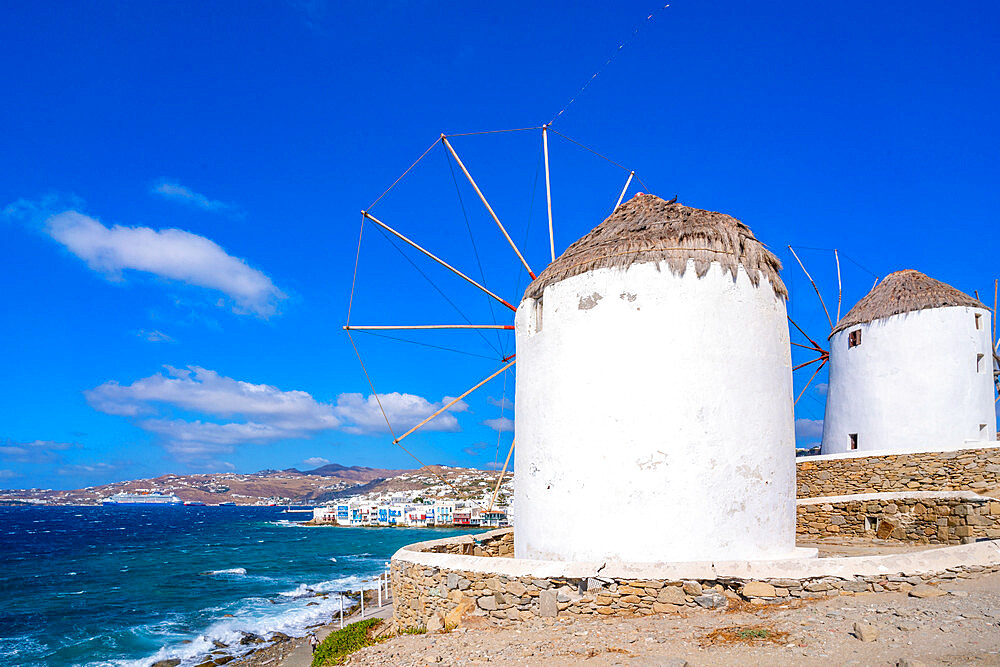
[960, 628]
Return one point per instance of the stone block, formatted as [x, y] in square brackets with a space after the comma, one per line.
[516, 588]
[661, 608]
[866, 632]
[487, 602]
[671, 595]
[452, 581]
[547, 604]
[692, 588]
[757, 589]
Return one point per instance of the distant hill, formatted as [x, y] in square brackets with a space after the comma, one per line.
[279, 487]
[354, 473]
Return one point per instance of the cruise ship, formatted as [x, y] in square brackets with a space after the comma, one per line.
[142, 499]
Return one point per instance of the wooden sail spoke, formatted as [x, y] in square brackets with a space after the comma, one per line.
[437, 259]
[489, 208]
[455, 400]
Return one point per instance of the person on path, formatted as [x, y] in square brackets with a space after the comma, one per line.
[313, 642]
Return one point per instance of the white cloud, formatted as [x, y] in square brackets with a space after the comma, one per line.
[37, 451]
[502, 424]
[250, 413]
[808, 428]
[9, 474]
[178, 192]
[315, 461]
[822, 388]
[155, 336]
[86, 468]
[404, 411]
[503, 403]
[173, 254]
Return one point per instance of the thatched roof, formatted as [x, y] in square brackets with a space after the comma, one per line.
[904, 292]
[648, 229]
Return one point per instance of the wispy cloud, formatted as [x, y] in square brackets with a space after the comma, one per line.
[822, 388]
[231, 412]
[9, 474]
[155, 336]
[363, 415]
[185, 195]
[808, 428]
[172, 254]
[501, 424]
[315, 461]
[37, 451]
[87, 468]
[503, 403]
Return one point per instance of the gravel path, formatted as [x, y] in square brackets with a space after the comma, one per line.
[960, 628]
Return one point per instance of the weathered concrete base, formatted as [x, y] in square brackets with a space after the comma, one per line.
[435, 580]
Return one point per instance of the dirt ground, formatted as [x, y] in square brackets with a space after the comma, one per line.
[960, 628]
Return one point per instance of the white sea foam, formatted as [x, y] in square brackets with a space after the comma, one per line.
[253, 615]
[331, 586]
[232, 570]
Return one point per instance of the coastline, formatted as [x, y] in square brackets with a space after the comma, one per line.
[274, 648]
[296, 652]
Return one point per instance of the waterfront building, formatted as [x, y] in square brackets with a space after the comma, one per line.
[654, 371]
[911, 369]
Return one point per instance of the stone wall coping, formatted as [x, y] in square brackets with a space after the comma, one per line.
[968, 496]
[968, 445]
[983, 553]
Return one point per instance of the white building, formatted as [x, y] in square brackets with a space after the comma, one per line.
[911, 369]
[654, 395]
[443, 512]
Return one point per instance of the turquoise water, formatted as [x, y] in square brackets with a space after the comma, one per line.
[127, 585]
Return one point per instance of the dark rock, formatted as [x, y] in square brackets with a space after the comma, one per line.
[217, 644]
[172, 662]
[279, 637]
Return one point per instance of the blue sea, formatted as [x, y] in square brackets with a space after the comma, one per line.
[130, 585]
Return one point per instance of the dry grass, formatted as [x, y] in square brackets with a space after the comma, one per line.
[904, 292]
[745, 635]
[648, 229]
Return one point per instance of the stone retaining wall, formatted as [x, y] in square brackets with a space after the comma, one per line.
[964, 469]
[491, 545]
[433, 587]
[925, 518]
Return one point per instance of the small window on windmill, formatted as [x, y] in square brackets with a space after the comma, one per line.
[982, 431]
[979, 362]
[871, 523]
[854, 338]
[538, 315]
[979, 321]
[854, 440]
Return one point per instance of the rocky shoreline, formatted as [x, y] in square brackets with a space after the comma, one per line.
[270, 649]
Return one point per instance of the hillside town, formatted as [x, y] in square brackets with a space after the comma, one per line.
[465, 500]
[395, 511]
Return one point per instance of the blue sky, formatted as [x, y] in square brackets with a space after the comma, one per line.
[180, 186]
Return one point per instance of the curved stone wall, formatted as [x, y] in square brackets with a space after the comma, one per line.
[435, 584]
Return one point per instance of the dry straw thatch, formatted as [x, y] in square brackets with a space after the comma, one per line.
[648, 229]
[904, 292]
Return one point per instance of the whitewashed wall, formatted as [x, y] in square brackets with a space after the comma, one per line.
[654, 419]
[912, 384]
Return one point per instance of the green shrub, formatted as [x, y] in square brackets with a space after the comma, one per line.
[342, 643]
[753, 633]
